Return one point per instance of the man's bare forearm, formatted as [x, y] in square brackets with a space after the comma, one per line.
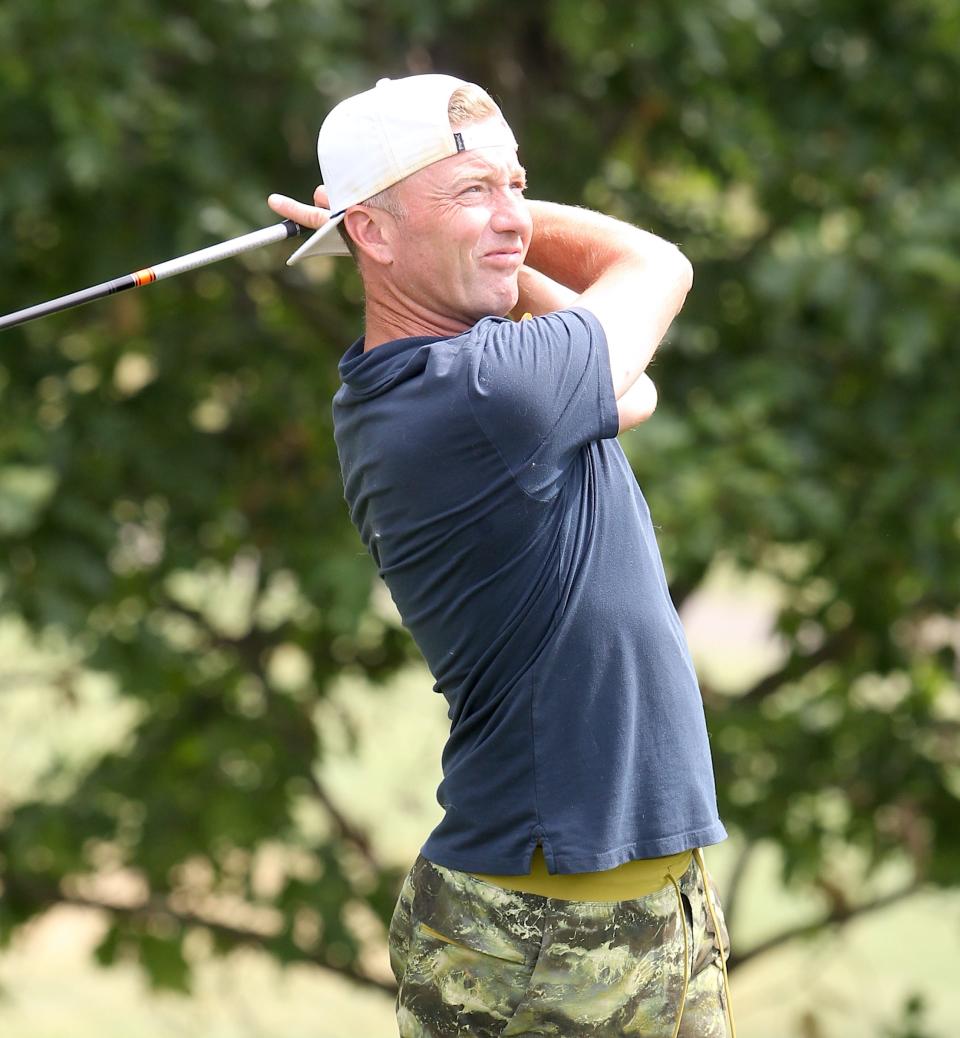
[575, 246]
[633, 282]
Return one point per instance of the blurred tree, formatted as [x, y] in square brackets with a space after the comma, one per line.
[169, 491]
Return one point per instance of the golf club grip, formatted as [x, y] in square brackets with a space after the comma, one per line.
[224, 250]
[166, 269]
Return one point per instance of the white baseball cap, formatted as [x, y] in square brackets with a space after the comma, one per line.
[374, 139]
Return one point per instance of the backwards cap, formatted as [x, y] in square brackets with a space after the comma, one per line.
[373, 140]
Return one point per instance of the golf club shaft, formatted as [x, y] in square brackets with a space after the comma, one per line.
[167, 269]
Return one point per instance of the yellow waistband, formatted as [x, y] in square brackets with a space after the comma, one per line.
[630, 880]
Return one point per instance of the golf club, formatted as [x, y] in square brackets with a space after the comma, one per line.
[167, 269]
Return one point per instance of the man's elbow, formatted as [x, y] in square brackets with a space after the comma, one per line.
[649, 397]
[688, 267]
[638, 404]
[683, 272]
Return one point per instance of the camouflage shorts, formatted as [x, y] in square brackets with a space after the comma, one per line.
[473, 959]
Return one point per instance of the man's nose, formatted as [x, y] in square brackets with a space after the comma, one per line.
[510, 212]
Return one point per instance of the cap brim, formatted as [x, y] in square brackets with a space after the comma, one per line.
[325, 242]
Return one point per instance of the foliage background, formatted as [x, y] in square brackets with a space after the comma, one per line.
[173, 543]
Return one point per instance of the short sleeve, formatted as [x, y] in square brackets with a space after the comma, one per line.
[541, 391]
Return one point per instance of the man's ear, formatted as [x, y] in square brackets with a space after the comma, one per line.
[370, 230]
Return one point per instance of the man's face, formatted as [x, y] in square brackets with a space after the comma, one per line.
[464, 237]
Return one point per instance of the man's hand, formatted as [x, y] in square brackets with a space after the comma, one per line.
[540, 294]
[312, 216]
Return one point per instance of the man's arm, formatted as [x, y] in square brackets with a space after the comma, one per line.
[638, 403]
[633, 282]
[542, 295]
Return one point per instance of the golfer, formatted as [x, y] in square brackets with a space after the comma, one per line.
[505, 346]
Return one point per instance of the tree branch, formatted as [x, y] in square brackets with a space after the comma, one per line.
[796, 666]
[730, 901]
[251, 647]
[346, 829]
[838, 916]
[156, 908]
[62, 680]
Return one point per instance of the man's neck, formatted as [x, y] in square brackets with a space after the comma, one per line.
[381, 327]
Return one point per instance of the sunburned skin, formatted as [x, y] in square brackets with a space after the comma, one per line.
[454, 256]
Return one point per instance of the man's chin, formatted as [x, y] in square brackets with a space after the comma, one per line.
[509, 301]
[502, 307]
[496, 300]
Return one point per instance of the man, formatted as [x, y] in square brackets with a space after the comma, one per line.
[563, 892]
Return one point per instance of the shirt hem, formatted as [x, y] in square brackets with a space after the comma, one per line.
[580, 862]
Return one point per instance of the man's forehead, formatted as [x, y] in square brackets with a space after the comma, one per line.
[495, 160]
[485, 160]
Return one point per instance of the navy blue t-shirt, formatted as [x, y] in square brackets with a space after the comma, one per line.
[485, 478]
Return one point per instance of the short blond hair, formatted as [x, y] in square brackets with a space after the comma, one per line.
[467, 104]
[470, 104]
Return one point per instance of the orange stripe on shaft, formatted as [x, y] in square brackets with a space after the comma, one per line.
[143, 277]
